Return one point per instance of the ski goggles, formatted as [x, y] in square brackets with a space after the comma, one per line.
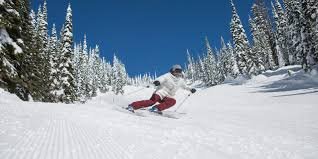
[178, 70]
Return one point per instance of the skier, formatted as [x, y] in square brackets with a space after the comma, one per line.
[167, 86]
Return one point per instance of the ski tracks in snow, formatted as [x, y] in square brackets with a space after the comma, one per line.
[39, 131]
[42, 132]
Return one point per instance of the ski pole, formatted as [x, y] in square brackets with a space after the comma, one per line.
[133, 92]
[182, 102]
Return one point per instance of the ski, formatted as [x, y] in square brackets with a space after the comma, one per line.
[168, 114]
[124, 110]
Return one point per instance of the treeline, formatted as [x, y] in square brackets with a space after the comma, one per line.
[48, 67]
[289, 37]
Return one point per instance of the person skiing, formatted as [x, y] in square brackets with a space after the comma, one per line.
[167, 85]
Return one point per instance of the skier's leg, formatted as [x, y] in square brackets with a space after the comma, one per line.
[166, 103]
[146, 103]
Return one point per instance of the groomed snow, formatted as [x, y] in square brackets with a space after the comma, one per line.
[273, 115]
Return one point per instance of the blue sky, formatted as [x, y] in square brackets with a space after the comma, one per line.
[148, 35]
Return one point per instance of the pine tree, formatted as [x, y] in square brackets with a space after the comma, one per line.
[30, 69]
[315, 26]
[281, 34]
[67, 74]
[293, 11]
[209, 64]
[85, 67]
[28, 50]
[15, 35]
[54, 56]
[227, 62]
[95, 72]
[234, 71]
[224, 61]
[119, 76]
[308, 52]
[98, 69]
[90, 75]
[43, 27]
[261, 47]
[108, 74]
[82, 71]
[201, 70]
[190, 72]
[263, 22]
[77, 69]
[40, 62]
[241, 45]
[104, 76]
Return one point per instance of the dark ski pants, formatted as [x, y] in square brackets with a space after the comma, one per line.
[164, 103]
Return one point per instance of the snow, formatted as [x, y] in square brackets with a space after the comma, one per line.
[11, 69]
[5, 38]
[269, 116]
[13, 11]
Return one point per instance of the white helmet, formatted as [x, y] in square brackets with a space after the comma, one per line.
[176, 67]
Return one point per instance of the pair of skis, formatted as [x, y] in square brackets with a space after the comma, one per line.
[146, 112]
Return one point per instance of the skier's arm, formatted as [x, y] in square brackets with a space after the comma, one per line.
[160, 80]
[186, 87]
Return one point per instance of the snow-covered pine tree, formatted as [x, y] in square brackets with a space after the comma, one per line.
[43, 27]
[293, 12]
[224, 61]
[90, 74]
[82, 71]
[40, 64]
[261, 47]
[227, 62]
[312, 7]
[109, 74]
[114, 77]
[315, 26]
[27, 36]
[308, 52]
[219, 72]
[14, 14]
[241, 45]
[77, 59]
[281, 34]
[279, 50]
[119, 76]
[104, 78]
[44, 62]
[263, 22]
[95, 67]
[67, 74]
[85, 71]
[30, 70]
[234, 71]
[190, 70]
[123, 76]
[200, 69]
[98, 69]
[54, 56]
[209, 64]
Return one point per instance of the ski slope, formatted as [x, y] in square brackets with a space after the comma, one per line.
[272, 116]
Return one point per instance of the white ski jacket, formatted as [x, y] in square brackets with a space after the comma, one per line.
[169, 85]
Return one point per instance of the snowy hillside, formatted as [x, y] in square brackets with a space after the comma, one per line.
[273, 115]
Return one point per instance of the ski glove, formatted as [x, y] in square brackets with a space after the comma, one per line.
[193, 90]
[156, 83]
